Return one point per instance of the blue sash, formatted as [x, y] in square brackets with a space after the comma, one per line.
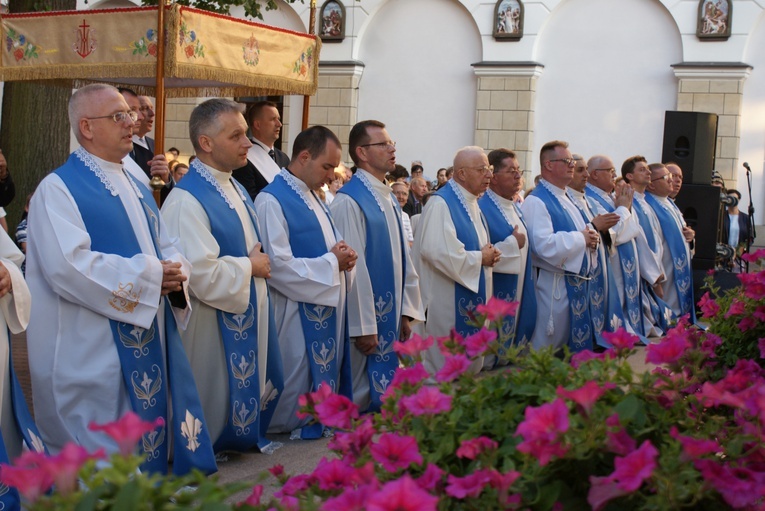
[506, 284]
[681, 260]
[140, 351]
[628, 262]
[319, 322]
[465, 301]
[248, 417]
[381, 367]
[581, 337]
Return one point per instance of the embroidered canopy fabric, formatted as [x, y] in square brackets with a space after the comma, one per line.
[207, 54]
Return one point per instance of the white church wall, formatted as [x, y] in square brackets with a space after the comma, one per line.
[607, 83]
[418, 78]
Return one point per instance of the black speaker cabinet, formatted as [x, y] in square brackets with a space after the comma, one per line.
[689, 141]
[701, 208]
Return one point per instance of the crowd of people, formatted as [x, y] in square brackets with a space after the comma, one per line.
[265, 277]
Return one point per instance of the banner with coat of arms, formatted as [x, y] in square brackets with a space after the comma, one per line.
[206, 54]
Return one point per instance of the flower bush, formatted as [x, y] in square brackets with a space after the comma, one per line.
[544, 432]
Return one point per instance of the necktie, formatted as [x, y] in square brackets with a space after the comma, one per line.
[272, 154]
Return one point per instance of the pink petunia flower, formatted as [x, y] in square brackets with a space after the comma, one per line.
[469, 486]
[541, 430]
[708, 305]
[430, 479]
[761, 345]
[411, 375]
[694, 448]
[402, 494]
[337, 411]
[496, 309]
[581, 357]
[254, 498]
[350, 499]
[127, 430]
[413, 346]
[30, 481]
[332, 474]
[427, 401]
[478, 343]
[395, 452]
[621, 339]
[277, 470]
[454, 366]
[737, 307]
[618, 441]
[472, 448]
[740, 487]
[636, 467]
[586, 395]
[64, 467]
[668, 350]
[747, 323]
[602, 490]
[350, 444]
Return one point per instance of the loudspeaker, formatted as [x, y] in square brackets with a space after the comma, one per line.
[701, 208]
[689, 141]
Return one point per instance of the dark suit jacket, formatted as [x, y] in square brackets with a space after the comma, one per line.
[251, 178]
[743, 228]
[411, 208]
[143, 156]
[7, 191]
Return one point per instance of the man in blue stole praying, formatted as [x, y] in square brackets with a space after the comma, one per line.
[108, 287]
[454, 255]
[385, 295]
[231, 338]
[564, 252]
[676, 254]
[512, 275]
[311, 267]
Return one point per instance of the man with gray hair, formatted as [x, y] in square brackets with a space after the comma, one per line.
[108, 288]
[231, 338]
[453, 254]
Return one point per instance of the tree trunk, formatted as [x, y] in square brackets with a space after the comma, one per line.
[34, 134]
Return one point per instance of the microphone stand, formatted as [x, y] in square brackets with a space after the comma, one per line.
[750, 212]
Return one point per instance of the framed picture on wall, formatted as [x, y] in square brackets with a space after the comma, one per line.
[332, 21]
[508, 20]
[714, 19]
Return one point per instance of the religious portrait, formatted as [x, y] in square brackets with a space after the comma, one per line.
[332, 21]
[508, 20]
[714, 19]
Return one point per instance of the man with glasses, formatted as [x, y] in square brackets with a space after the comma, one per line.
[140, 162]
[108, 288]
[512, 275]
[385, 295]
[454, 253]
[677, 178]
[564, 251]
[676, 236]
[606, 197]
[657, 315]
[264, 161]
[143, 146]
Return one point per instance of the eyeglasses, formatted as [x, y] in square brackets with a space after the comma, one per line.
[568, 161]
[483, 169]
[385, 145]
[611, 170]
[665, 177]
[118, 117]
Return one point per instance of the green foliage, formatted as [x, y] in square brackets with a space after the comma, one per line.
[252, 8]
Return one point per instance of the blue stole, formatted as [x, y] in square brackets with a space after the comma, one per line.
[465, 301]
[319, 322]
[143, 361]
[9, 497]
[581, 337]
[381, 367]
[628, 264]
[660, 310]
[248, 418]
[680, 257]
[506, 284]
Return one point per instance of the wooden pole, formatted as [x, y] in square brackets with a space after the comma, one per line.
[312, 31]
[159, 122]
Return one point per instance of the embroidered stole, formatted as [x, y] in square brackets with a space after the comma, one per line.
[632, 308]
[506, 284]
[660, 311]
[249, 417]
[581, 337]
[319, 322]
[681, 260]
[465, 301]
[382, 365]
[141, 354]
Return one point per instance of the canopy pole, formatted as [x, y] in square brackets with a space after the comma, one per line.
[311, 31]
[159, 122]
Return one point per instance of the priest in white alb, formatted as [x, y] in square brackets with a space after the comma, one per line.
[108, 287]
[385, 295]
[310, 268]
[453, 254]
[231, 339]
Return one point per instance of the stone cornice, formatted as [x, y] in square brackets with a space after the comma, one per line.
[498, 68]
[712, 70]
